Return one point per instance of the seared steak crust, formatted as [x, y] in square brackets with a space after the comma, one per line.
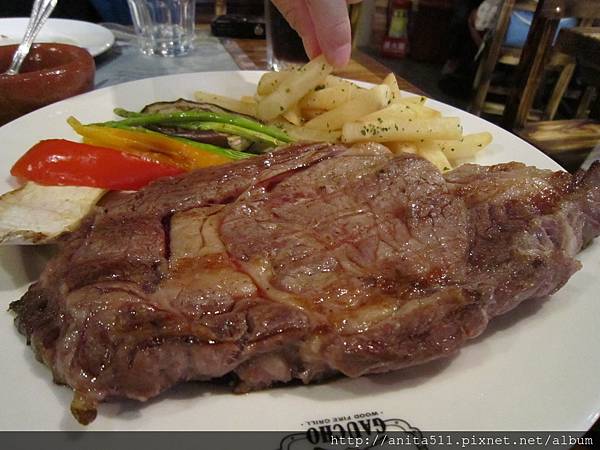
[311, 261]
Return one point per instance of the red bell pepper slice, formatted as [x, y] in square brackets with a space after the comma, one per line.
[62, 162]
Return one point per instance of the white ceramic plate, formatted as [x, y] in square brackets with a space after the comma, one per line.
[94, 38]
[535, 369]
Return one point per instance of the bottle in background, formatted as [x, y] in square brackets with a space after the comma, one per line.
[395, 42]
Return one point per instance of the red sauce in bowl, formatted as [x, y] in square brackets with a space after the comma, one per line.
[51, 72]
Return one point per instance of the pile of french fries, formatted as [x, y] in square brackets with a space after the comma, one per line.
[313, 105]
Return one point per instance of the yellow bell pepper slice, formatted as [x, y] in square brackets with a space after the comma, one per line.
[152, 145]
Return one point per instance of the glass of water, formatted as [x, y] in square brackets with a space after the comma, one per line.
[164, 27]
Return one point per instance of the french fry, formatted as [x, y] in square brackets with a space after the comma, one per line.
[248, 99]
[270, 81]
[293, 88]
[433, 154]
[391, 81]
[401, 147]
[327, 98]
[311, 113]
[307, 134]
[413, 99]
[390, 130]
[416, 104]
[293, 115]
[393, 112]
[422, 110]
[466, 147]
[226, 102]
[312, 105]
[363, 104]
[334, 81]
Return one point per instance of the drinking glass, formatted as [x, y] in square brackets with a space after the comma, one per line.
[164, 27]
[284, 45]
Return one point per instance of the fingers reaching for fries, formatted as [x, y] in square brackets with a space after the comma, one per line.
[291, 89]
[311, 104]
[324, 26]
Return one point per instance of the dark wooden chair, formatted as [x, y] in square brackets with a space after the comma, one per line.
[567, 141]
[496, 54]
[490, 98]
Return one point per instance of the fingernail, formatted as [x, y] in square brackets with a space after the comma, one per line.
[340, 56]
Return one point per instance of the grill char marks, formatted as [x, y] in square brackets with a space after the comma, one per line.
[313, 261]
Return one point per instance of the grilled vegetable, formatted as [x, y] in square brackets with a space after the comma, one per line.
[35, 214]
[207, 137]
[251, 135]
[59, 162]
[187, 105]
[142, 119]
[203, 123]
[180, 152]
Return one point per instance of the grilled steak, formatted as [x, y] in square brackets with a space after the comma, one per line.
[308, 262]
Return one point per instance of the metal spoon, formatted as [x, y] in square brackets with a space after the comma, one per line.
[39, 13]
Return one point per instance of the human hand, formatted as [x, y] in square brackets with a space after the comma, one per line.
[323, 25]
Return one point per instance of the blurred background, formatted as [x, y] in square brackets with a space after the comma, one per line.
[467, 53]
[428, 28]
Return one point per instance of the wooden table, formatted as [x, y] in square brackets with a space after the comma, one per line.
[251, 54]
